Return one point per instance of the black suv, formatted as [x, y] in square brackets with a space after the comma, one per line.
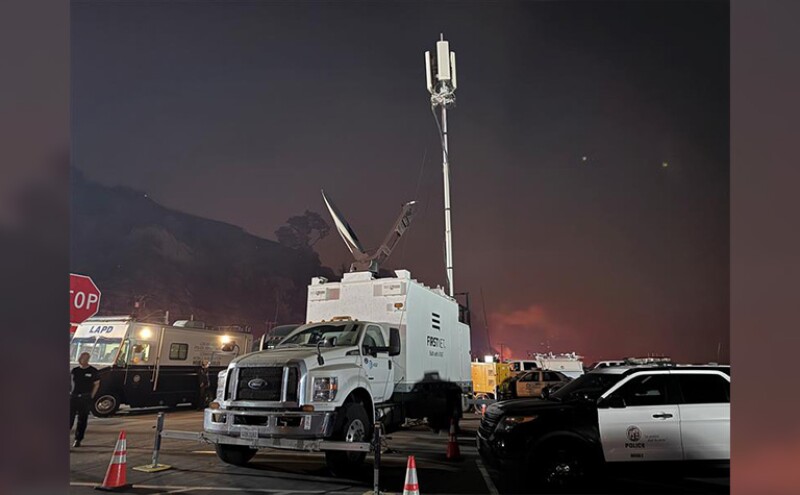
[620, 414]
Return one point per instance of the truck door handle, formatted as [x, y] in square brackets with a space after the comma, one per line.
[370, 377]
[662, 415]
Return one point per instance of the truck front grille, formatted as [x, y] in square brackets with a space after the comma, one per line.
[260, 383]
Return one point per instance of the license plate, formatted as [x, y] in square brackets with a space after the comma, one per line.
[249, 433]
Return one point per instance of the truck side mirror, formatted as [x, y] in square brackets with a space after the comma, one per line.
[394, 341]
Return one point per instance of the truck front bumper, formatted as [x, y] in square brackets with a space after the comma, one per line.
[255, 424]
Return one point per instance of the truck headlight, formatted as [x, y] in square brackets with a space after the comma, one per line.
[325, 388]
[509, 422]
[221, 377]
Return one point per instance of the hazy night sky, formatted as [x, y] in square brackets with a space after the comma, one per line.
[242, 112]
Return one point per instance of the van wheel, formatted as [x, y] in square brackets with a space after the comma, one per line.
[352, 426]
[238, 455]
[105, 405]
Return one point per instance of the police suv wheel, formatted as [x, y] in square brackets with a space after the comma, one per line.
[237, 455]
[352, 425]
[105, 405]
[561, 465]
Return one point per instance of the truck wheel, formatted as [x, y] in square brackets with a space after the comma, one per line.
[466, 407]
[352, 426]
[105, 405]
[441, 421]
[238, 455]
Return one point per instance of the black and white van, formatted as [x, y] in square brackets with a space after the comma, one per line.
[146, 364]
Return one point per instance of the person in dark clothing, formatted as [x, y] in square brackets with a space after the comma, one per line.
[202, 377]
[85, 383]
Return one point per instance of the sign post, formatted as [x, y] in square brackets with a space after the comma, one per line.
[84, 299]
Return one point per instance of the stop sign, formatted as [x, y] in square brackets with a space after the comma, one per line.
[84, 298]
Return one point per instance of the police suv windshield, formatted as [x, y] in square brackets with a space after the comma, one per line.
[588, 386]
[346, 334]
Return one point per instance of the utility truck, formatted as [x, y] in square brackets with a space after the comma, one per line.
[372, 350]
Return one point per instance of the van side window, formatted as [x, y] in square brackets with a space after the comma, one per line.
[140, 353]
[704, 388]
[178, 352]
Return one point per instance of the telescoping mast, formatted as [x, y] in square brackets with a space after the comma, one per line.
[440, 75]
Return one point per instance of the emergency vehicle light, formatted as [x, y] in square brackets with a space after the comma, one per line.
[145, 333]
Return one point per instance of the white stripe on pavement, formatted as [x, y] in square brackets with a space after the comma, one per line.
[486, 478]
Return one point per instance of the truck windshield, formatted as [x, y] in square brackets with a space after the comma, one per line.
[588, 386]
[346, 335]
[103, 350]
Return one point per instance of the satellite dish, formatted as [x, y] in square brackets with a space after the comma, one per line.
[364, 261]
[345, 231]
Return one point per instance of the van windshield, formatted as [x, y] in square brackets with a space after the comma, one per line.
[346, 334]
[102, 350]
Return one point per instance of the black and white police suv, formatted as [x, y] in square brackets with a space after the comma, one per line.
[624, 414]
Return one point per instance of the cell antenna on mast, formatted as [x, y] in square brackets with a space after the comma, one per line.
[440, 76]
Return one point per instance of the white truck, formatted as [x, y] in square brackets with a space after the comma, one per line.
[373, 349]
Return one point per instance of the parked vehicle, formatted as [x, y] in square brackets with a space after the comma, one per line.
[148, 364]
[605, 364]
[487, 377]
[568, 363]
[532, 384]
[520, 365]
[612, 416]
[389, 349]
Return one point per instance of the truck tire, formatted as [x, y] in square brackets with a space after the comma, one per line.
[352, 425]
[466, 406]
[442, 419]
[105, 405]
[237, 455]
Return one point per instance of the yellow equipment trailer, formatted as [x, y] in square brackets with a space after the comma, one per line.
[486, 377]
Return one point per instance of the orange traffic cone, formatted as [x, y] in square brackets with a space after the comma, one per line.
[116, 477]
[412, 486]
[453, 452]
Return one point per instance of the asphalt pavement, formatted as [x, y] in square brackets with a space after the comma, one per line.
[196, 468]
